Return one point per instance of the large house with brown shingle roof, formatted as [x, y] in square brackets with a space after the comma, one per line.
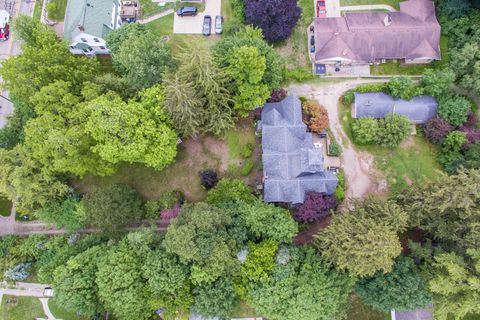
[411, 35]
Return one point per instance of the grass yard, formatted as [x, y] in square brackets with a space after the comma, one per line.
[393, 68]
[358, 311]
[243, 310]
[295, 49]
[393, 3]
[183, 175]
[37, 10]
[150, 8]
[59, 313]
[56, 9]
[5, 207]
[413, 162]
[21, 308]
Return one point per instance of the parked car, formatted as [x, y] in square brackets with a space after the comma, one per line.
[4, 25]
[321, 9]
[218, 24]
[187, 11]
[207, 24]
[312, 40]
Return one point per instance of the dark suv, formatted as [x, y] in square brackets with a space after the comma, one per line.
[187, 11]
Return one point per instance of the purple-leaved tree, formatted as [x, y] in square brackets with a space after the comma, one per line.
[316, 207]
[276, 18]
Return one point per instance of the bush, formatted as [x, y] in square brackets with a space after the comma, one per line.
[247, 167]
[17, 273]
[334, 149]
[299, 75]
[393, 130]
[318, 115]
[436, 129]
[454, 141]
[246, 151]
[472, 134]
[208, 179]
[348, 98]
[277, 95]
[451, 161]
[316, 207]
[403, 87]
[454, 109]
[365, 130]
[152, 209]
[339, 193]
[167, 200]
[172, 213]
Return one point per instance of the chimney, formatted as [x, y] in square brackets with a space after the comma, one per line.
[81, 28]
[387, 20]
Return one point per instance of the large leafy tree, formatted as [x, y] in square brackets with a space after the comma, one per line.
[26, 181]
[448, 209]
[365, 240]
[301, 284]
[392, 130]
[437, 82]
[206, 238]
[143, 59]
[265, 221]
[403, 87]
[401, 289]
[276, 18]
[119, 37]
[252, 37]
[454, 109]
[228, 191]
[215, 299]
[74, 283]
[455, 286]
[121, 288]
[466, 63]
[111, 208]
[134, 131]
[246, 68]
[197, 98]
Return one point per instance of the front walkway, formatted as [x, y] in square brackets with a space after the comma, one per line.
[156, 16]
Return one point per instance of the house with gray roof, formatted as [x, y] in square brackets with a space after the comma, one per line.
[87, 23]
[411, 35]
[292, 165]
[378, 104]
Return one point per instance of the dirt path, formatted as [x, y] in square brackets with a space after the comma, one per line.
[358, 166]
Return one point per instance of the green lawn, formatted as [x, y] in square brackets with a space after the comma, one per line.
[413, 162]
[193, 156]
[56, 9]
[295, 49]
[37, 9]
[5, 207]
[236, 141]
[60, 313]
[393, 3]
[395, 67]
[150, 8]
[23, 308]
[358, 311]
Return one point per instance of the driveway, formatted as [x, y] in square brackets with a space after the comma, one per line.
[359, 167]
[193, 25]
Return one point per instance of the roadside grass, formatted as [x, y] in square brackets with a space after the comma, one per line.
[413, 162]
[150, 8]
[193, 157]
[295, 49]
[5, 207]
[25, 308]
[243, 310]
[37, 10]
[56, 9]
[60, 313]
[393, 3]
[395, 67]
[358, 311]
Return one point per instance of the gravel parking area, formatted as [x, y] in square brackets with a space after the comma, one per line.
[193, 25]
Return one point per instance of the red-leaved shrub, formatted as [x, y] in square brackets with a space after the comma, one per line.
[436, 129]
[168, 214]
[316, 207]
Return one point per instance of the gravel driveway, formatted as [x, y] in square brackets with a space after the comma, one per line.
[193, 25]
[358, 166]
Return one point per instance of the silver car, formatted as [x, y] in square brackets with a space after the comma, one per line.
[218, 24]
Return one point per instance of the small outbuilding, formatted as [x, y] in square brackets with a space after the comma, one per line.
[378, 104]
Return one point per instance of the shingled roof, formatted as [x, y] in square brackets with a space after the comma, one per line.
[411, 33]
[378, 104]
[292, 166]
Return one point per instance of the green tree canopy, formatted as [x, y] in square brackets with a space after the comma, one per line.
[364, 240]
[392, 130]
[454, 109]
[215, 299]
[403, 87]
[437, 82]
[228, 191]
[112, 207]
[401, 289]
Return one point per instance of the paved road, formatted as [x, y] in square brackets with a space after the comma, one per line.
[11, 48]
[193, 25]
[358, 166]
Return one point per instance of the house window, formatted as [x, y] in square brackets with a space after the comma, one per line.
[102, 47]
[72, 47]
[87, 49]
[84, 40]
[96, 40]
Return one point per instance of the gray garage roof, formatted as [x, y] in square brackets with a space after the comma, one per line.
[378, 105]
[418, 314]
[292, 166]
